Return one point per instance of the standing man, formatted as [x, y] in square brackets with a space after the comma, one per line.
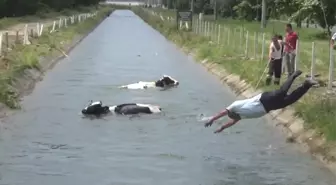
[290, 47]
[332, 40]
[275, 60]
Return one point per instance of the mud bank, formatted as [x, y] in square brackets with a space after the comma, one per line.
[24, 83]
[309, 140]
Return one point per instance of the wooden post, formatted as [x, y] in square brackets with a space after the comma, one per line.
[0, 43]
[60, 23]
[41, 30]
[37, 29]
[17, 40]
[7, 41]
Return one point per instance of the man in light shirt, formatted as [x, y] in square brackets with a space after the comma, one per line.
[332, 40]
[263, 103]
[275, 60]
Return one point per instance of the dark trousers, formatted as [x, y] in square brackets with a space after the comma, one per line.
[279, 98]
[274, 69]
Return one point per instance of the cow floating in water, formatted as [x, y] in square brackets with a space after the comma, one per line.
[164, 82]
[97, 109]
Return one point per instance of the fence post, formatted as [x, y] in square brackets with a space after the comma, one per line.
[7, 41]
[206, 28]
[31, 32]
[255, 45]
[297, 55]
[247, 43]
[25, 35]
[215, 32]
[0, 43]
[241, 38]
[312, 67]
[263, 47]
[37, 29]
[65, 22]
[60, 23]
[219, 34]
[200, 27]
[53, 27]
[331, 69]
[17, 40]
[228, 36]
[214, 25]
[41, 30]
[208, 32]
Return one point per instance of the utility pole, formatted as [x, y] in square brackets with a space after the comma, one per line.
[192, 6]
[263, 14]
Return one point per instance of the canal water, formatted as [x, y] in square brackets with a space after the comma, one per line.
[48, 142]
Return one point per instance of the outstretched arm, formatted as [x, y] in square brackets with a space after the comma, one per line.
[219, 115]
[227, 125]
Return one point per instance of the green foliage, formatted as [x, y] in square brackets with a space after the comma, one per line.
[321, 12]
[317, 111]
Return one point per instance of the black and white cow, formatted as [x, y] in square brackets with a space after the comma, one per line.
[164, 82]
[97, 109]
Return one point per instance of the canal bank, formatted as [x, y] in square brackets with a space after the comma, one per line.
[26, 64]
[49, 142]
[310, 140]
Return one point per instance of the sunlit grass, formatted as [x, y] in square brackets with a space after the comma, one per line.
[318, 111]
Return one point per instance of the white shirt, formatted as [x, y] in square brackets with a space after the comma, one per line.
[248, 108]
[333, 37]
[276, 54]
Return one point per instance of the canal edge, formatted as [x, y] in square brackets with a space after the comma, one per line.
[292, 126]
[25, 82]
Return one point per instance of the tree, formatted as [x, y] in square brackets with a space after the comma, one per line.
[323, 12]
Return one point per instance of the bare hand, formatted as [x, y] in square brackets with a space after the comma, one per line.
[208, 124]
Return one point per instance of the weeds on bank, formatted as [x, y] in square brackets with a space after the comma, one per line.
[44, 15]
[306, 35]
[27, 57]
[317, 111]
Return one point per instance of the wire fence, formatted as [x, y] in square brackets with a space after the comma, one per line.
[24, 35]
[316, 58]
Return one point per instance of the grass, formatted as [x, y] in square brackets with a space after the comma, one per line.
[318, 110]
[25, 57]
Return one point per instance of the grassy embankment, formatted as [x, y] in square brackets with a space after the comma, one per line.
[22, 57]
[316, 109]
[43, 16]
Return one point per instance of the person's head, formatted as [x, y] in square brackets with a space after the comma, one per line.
[275, 38]
[289, 28]
[280, 37]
